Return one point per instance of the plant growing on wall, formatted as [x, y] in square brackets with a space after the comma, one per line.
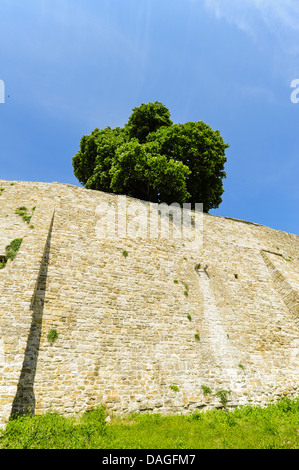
[11, 251]
[206, 390]
[23, 212]
[223, 395]
[186, 291]
[52, 336]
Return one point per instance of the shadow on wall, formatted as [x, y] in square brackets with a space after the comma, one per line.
[24, 401]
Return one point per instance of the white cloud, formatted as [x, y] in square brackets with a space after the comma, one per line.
[280, 17]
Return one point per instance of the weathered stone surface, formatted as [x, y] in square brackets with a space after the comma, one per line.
[133, 315]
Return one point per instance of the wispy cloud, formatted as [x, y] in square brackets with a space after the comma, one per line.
[280, 17]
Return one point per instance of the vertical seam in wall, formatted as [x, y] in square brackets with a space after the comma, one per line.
[17, 309]
[42, 260]
[24, 401]
[288, 294]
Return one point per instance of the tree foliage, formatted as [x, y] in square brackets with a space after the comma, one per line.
[151, 158]
[147, 118]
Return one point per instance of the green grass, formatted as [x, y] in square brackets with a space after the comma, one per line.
[248, 427]
[51, 431]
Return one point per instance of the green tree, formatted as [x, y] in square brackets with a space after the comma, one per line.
[153, 159]
[202, 150]
[147, 118]
[92, 164]
[140, 171]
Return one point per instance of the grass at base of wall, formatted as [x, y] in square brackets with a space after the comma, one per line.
[248, 427]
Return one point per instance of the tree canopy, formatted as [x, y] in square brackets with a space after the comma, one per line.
[151, 158]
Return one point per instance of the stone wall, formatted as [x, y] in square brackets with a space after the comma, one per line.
[143, 321]
[18, 284]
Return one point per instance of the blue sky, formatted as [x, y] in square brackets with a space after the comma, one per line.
[71, 65]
